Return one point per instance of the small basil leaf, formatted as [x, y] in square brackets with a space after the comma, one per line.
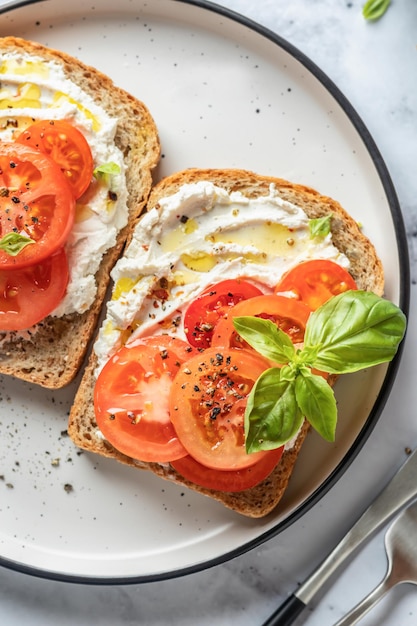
[266, 338]
[288, 373]
[374, 9]
[106, 169]
[320, 226]
[316, 400]
[354, 330]
[272, 415]
[13, 243]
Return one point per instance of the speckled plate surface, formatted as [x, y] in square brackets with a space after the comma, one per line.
[224, 93]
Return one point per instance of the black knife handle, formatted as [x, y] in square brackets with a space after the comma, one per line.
[287, 613]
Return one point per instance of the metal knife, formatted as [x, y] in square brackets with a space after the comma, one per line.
[399, 492]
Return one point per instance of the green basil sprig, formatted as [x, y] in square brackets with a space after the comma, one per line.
[349, 332]
[106, 170]
[13, 243]
[374, 9]
[320, 226]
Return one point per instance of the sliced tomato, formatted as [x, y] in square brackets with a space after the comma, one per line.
[131, 398]
[287, 313]
[67, 146]
[226, 480]
[314, 282]
[28, 295]
[205, 311]
[207, 406]
[35, 202]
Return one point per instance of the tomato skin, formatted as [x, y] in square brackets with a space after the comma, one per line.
[205, 311]
[289, 314]
[35, 201]
[314, 282]
[228, 480]
[67, 146]
[207, 405]
[131, 398]
[30, 294]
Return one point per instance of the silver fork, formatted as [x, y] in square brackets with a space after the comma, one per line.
[401, 550]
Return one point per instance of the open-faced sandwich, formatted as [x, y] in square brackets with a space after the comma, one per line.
[76, 156]
[238, 301]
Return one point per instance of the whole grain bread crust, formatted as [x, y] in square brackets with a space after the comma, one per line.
[366, 269]
[52, 356]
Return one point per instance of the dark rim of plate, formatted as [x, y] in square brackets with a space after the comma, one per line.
[404, 302]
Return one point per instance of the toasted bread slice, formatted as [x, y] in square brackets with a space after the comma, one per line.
[52, 355]
[365, 268]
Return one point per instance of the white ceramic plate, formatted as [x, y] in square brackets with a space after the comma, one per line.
[224, 93]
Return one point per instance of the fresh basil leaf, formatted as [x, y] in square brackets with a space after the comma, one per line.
[13, 243]
[266, 338]
[272, 414]
[106, 169]
[374, 9]
[316, 400]
[320, 226]
[288, 372]
[353, 330]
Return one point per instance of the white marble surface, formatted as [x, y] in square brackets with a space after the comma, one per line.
[374, 65]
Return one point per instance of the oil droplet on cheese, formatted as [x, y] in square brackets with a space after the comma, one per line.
[108, 328]
[249, 257]
[190, 226]
[60, 97]
[82, 212]
[122, 286]
[177, 237]
[268, 237]
[199, 261]
[127, 332]
[27, 95]
[21, 68]
[184, 277]
[17, 123]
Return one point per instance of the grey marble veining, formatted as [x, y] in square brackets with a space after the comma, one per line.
[374, 65]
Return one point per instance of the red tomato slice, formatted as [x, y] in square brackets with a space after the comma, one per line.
[207, 406]
[203, 314]
[35, 202]
[67, 146]
[131, 398]
[28, 295]
[224, 480]
[314, 282]
[287, 313]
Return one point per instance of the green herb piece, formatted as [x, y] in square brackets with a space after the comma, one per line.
[316, 400]
[354, 330]
[320, 227]
[13, 243]
[105, 170]
[266, 338]
[349, 332]
[272, 416]
[374, 9]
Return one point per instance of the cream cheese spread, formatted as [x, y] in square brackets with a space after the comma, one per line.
[32, 89]
[193, 239]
